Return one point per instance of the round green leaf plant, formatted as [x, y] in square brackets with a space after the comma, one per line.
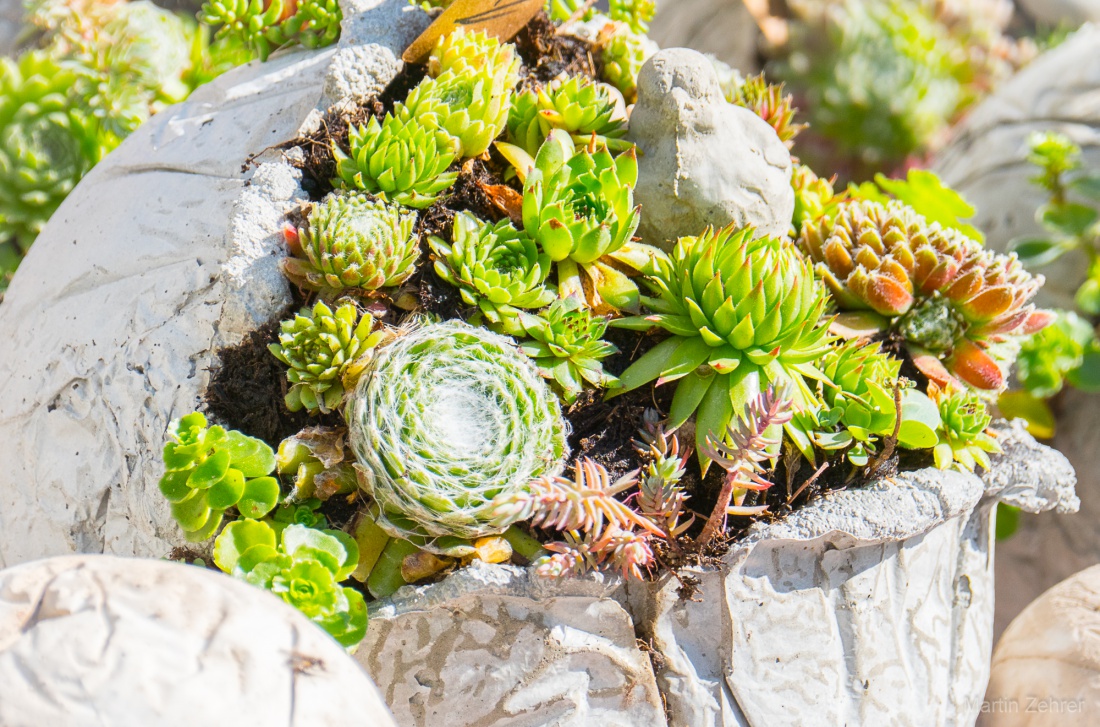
[210, 470]
[302, 566]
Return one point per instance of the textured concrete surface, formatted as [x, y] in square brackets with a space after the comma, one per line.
[114, 642]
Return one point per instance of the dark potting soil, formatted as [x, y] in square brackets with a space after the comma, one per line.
[546, 54]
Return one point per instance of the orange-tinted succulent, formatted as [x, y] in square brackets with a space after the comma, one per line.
[946, 294]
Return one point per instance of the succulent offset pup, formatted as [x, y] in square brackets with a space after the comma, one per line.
[568, 347]
[266, 26]
[743, 313]
[950, 298]
[449, 417]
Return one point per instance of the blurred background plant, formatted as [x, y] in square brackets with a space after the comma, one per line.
[84, 74]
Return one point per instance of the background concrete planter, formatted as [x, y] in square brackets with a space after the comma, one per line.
[861, 602]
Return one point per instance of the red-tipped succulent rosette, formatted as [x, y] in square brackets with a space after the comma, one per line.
[951, 299]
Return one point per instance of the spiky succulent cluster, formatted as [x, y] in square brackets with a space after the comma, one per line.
[448, 418]
[301, 565]
[326, 352]
[814, 197]
[469, 92]
[579, 207]
[962, 436]
[743, 313]
[400, 158]
[623, 53]
[209, 470]
[769, 102]
[568, 347]
[495, 267]
[353, 241]
[950, 298]
[266, 25]
[578, 106]
[661, 497]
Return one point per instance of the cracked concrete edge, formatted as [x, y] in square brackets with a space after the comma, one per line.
[1029, 475]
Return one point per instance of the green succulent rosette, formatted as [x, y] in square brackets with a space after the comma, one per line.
[470, 106]
[963, 440]
[47, 142]
[568, 347]
[495, 267]
[327, 352]
[623, 53]
[353, 241]
[301, 565]
[743, 313]
[448, 417]
[400, 158]
[267, 25]
[209, 470]
[474, 52]
[579, 207]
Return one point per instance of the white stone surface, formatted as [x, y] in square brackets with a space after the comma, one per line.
[703, 161]
[1062, 12]
[112, 642]
[1046, 668]
[987, 159]
[166, 252]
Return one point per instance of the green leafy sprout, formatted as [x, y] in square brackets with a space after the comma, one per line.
[568, 347]
[301, 565]
[209, 470]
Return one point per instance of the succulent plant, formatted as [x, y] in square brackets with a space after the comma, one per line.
[472, 105]
[474, 52]
[767, 101]
[302, 566]
[568, 347]
[319, 462]
[946, 295]
[523, 127]
[582, 108]
[962, 437]
[47, 142]
[209, 470]
[635, 13]
[623, 53]
[400, 158]
[661, 498]
[743, 313]
[496, 268]
[266, 25]
[449, 417]
[353, 241]
[814, 197]
[1054, 354]
[326, 352]
[741, 451]
[579, 206]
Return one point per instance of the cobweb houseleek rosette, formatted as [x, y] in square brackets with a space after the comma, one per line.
[497, 268]
[743, 313]
[449, 417]
[353, 241]
[952, 300]
[579, 207]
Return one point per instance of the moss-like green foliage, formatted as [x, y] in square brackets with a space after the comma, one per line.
[950, 298]
[743, 313]
[1058, 353]
[326, 353]
[354, 241]
[266, 25]
[448, 417]
[209, 470]
[495, 267]
[302, 566]
[400, 158]
[568, 347]
[579, 206]
[962, 437]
